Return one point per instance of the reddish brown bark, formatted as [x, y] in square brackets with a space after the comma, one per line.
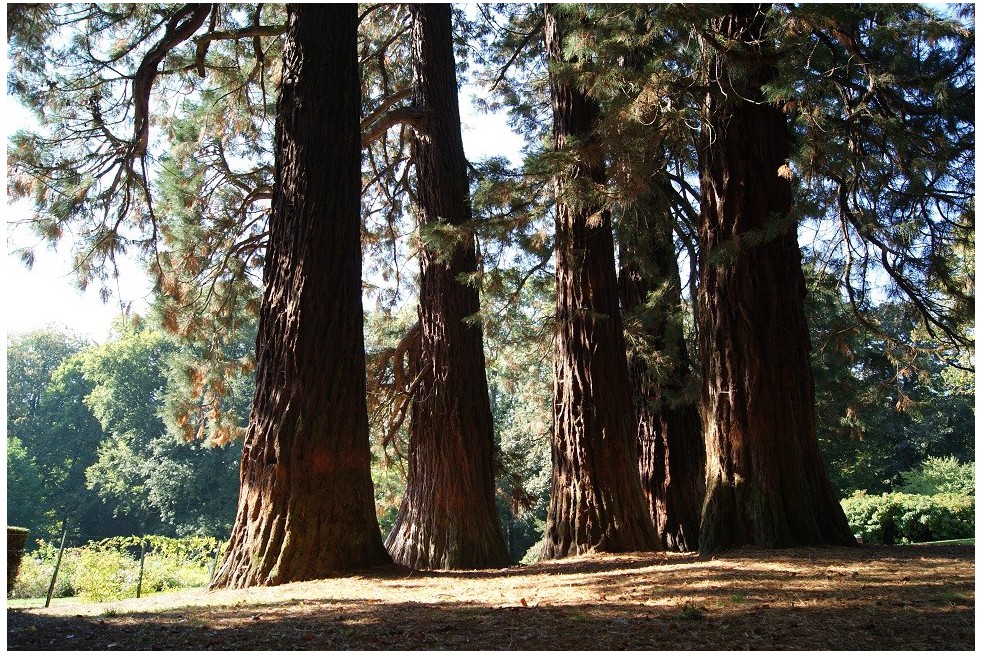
[306, 505]
[671, 452]
[766, 481]
[447, 519]
[596, 501]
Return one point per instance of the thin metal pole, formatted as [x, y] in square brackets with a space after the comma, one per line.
[61, 551]
[143, 554]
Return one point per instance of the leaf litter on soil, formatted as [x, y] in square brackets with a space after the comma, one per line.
[867, 598]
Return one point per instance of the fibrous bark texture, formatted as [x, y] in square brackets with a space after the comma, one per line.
[596, 501]
[766, 481]
[671, 452]
[447, 519]
[306, 505]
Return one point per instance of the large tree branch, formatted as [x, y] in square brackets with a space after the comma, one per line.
[398, 116]
[179, 29]
[241, 33]
[924, 306]
[384, 106]
[255, 31]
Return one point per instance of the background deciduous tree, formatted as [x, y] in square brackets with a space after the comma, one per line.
[97, 450]
[52, 435]
[148, 472]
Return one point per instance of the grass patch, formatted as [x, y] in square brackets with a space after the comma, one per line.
[578, 616]
[691, 612]
[954, 598]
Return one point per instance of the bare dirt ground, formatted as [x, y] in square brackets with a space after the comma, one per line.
[868, 598]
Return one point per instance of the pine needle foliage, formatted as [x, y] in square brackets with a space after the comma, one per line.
[883, 104]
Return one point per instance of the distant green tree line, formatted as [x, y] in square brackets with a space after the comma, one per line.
[90, 439]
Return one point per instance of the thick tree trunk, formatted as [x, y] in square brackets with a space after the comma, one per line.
[447, 519]
[671, 452]
[596, 501]
[766, 481]
[306, 505]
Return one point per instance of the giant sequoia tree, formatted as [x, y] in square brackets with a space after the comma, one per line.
[596, 500]
[306, 507]
[447, 519]
[646, 146]
[766, 482]
[669, 431]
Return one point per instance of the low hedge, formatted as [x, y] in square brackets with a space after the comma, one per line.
[893, 518]
[16, 540]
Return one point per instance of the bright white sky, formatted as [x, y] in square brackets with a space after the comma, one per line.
[47, 294]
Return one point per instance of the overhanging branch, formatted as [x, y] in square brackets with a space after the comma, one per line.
[398, 116]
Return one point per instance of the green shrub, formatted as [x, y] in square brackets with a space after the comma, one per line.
[387, 518]
[940, 475]
[36, 569]
[164, 573]
[909, 518]
[110, 569]
[534, 552]
[105, 574]
[16, 538]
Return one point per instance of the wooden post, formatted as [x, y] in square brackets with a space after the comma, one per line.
[61, 551]
[143, 554]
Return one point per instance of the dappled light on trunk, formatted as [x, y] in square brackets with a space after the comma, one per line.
[306, 508]
[447, 519]
[766, 481]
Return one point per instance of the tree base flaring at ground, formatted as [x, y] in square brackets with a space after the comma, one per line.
[447, 517]
[869, 598]
[306, 506]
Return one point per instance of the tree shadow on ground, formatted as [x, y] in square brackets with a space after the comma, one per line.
[919, 598]
[411, 626]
